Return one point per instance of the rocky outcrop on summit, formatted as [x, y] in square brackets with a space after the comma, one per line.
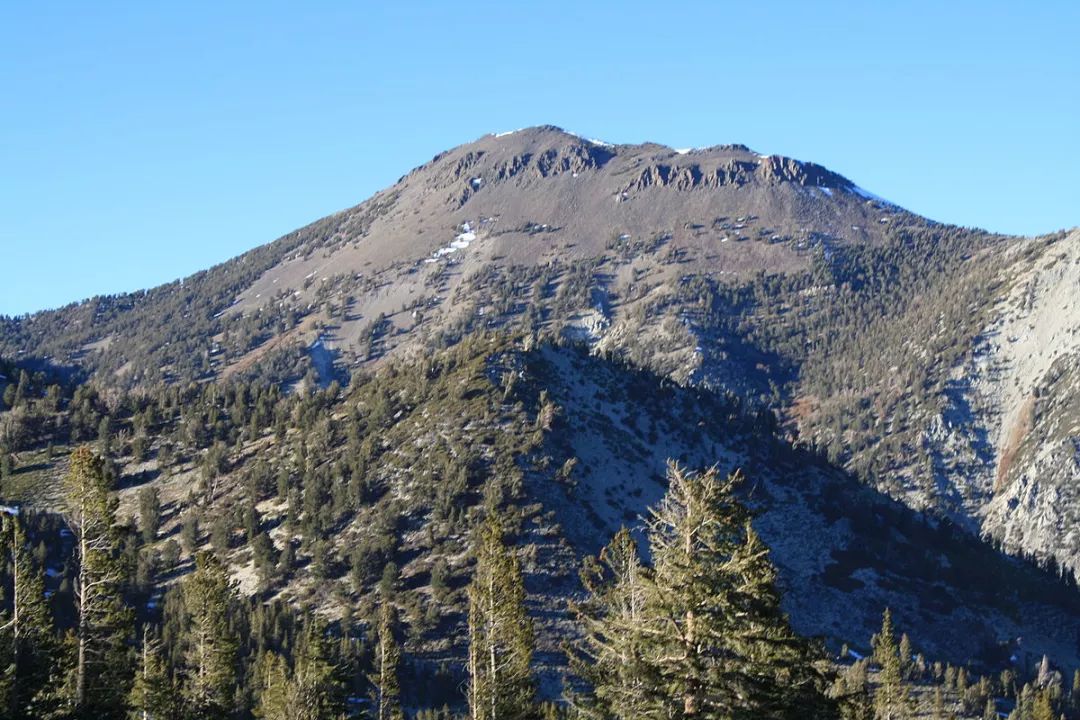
[778, 169]
[738, 172]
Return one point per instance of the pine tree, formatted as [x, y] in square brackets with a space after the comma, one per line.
[717, 638]
[149, 514]
[313, 691]
[29, 677]
[1043, 709]
[318, 685]
[890, 700]
[152, 694]
[210, 665]
[22, 389]
[906, 657]
[104, 624]
[500, 633]
[1074, 694]
[611, 620]
[275, 690]
[939, 705]
[387, 661]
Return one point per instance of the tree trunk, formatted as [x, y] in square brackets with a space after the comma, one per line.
[84, 615]
[16, 639]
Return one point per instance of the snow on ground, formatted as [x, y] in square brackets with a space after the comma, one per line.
[461, 241]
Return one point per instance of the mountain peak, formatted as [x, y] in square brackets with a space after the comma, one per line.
[710, 167]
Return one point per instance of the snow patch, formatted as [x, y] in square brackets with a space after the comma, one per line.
[461, 241]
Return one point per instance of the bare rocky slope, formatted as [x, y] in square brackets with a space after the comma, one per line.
[937, 364]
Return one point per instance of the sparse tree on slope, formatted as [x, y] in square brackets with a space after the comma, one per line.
[149, 514]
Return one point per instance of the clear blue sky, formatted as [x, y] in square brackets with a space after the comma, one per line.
[140, 142]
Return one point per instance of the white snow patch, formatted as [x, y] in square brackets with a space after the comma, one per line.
[461, 241]
[507, 132]
[477, 182]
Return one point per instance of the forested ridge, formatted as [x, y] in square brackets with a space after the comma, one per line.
[235, 550]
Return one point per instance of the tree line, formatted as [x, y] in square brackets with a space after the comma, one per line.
[698, 632]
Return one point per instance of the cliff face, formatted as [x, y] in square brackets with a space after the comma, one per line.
[1020, 389]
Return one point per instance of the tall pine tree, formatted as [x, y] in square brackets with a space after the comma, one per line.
[702, 634]
[210, 667]
[153, 696]
[317, 678]
[104, 623]
[608, 655]
[891, 699]
[387, 661]
[31, 661]
[500, 632]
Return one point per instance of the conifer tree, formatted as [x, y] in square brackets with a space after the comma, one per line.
[939, 705]
[890, 700]
[500, 632]
[611, 620]
[1042, 708]
[210, 665]
[149, 514]
[317, 681]
[313, 691]
[30, 647]
[907, 664]
[719, 642]
[152, 694]
[275, 694]
[102, 670]
[387, 661]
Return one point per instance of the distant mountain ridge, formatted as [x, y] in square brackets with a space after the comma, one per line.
[939, 364]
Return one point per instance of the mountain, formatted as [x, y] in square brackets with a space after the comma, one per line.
[884, 357]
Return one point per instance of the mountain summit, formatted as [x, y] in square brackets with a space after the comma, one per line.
[938, 364]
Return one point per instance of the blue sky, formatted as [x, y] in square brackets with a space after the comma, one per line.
[140, 142]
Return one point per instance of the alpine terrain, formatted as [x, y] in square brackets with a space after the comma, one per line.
[525, 403]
